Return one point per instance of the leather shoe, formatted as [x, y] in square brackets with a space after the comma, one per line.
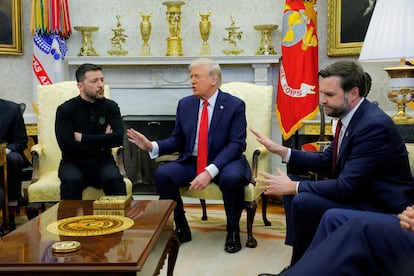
[183, 234]
[281, 273]
[182, 229]
[232, 244]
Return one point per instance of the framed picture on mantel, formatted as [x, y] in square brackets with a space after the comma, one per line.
[348, 22]
[11, 32]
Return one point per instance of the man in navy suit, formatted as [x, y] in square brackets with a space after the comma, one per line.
[226, 164]
[13, 133]
[351, 242]
[371, 172]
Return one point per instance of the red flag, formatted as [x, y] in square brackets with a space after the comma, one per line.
[297, 96]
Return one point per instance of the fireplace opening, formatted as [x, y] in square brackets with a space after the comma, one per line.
[138, 165]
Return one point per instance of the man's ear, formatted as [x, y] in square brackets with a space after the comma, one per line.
[355, 91]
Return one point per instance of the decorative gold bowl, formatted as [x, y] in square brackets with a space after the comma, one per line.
[86, 28]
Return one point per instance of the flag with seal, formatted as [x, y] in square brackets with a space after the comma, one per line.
[297, 95]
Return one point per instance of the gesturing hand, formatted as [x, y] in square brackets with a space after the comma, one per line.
[276, 184]
[139, 139]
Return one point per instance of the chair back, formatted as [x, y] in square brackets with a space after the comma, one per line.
[258, 100]
[410, 149]
[49, 97]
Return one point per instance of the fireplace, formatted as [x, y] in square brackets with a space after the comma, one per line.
[139, 167]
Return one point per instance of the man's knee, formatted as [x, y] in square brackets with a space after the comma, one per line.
[231, 179]
[14, 161]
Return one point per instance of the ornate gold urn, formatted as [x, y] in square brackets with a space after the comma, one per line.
[205, 27]
[174, 41]
[145, 28]
[87, 48]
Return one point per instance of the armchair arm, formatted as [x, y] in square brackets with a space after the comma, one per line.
[118, 153]
[259, 152]
[36, 151]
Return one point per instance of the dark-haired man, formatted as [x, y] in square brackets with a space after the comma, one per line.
[369, 163]
[87, 128]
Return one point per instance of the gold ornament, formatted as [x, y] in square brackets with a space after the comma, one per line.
[232, 36]
[205, 27]
[87, 48]
[174, 41]
[145, 28]
[265, 47]
[118, 39]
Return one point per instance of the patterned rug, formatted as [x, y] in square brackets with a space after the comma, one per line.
[205, 254]
[217, 221]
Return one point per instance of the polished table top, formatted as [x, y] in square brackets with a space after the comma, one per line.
[29, 246]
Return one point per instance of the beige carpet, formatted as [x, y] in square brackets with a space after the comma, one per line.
[205, 255]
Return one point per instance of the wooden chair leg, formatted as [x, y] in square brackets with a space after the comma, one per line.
[251, 212]
[204, 207]
[264, 210]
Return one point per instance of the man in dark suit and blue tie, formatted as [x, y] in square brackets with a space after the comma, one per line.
[353, 242]
[371, 171]
[226, 165]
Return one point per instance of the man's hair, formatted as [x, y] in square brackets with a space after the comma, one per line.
[351, 73]
[86, 67]
[213, 68]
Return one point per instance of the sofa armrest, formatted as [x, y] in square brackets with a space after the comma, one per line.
[36, 151]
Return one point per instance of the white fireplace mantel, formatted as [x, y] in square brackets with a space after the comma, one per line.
[153, 85]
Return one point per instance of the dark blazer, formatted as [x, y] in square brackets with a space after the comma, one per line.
[227, 131]
[357, 243]
[372, 171]
[12, 127]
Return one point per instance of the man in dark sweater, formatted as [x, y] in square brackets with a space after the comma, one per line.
[87, 127]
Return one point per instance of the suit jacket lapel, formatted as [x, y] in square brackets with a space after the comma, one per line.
[193, 117]
[217, 114]
[352, 124]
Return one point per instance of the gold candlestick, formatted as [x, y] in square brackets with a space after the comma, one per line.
[205, 27]
[174, 41]
[87, 48]
[145, 28]
[118, 39]
[232, 36]
[265, 47]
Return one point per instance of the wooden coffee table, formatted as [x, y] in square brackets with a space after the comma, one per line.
[140, 249]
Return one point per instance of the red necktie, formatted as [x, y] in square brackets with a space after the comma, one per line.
[335, 145]
[203, 140]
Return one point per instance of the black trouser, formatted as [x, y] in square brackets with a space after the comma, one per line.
[14, 175]
[100, 173]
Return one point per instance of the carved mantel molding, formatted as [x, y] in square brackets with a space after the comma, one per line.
[153, 85]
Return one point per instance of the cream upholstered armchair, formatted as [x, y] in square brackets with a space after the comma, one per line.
[258, 100]
[46, 154]
[410, 149]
